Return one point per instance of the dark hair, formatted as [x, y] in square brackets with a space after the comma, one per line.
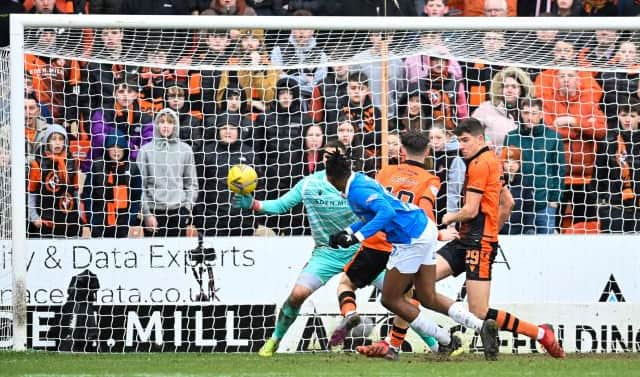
[445, 2]
[471, 126]
[359, 77]
[333, 142]
[414, 142]
[531, 102]
[628, 105]
[338, 165]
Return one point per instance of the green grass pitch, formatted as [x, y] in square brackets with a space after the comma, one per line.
[304, 365]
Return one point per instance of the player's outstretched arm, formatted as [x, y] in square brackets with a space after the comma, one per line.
[271, 207]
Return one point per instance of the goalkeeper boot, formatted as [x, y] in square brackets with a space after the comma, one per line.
[550, 343]
[269, 348]
[343, 329]
[453, 349]
[489, 336]
[380, 349]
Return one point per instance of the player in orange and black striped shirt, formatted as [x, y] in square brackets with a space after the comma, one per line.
[480, 219]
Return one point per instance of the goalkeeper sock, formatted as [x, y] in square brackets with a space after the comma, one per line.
[461, 315]
[347, 300]
[509, 322]
[424, 326]
[286, 317]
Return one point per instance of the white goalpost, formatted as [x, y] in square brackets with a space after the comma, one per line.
[76, 275]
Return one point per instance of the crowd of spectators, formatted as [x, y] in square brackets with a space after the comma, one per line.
[122, 150]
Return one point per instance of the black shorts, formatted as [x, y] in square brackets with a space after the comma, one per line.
[477, 263]
[366, 265]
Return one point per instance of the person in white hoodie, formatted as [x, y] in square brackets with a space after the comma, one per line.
[169, 181]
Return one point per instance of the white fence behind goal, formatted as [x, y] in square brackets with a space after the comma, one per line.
[243, 94]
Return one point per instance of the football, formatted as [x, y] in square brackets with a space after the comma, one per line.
[242, 179]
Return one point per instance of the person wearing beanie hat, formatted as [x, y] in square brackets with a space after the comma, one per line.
[223, 148]
[113, 191]
[53, 203]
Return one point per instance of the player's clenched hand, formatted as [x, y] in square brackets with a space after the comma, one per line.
[448, 234]
[448, 218]
[342, 239]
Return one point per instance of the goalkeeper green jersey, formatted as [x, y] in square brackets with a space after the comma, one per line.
[328, 212]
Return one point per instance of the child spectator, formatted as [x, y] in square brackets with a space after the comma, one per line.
[618, 173]
[449, 167]
[359, 107]
[413, 113]
[112, 192]
[53, 206]
[619, 87]
[500, 114]
[373, 70]
[327, 95]
[435, 8]
[191, 129]
[302, 50]
[222, 149]
[542, 162]
[479, 75]
[169, 183]
[446, 98]
[521, 220]
[128, 115]
[349, 135]
[103, 76]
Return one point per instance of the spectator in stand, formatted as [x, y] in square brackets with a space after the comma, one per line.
[361, 111]
[169, 182]
[35, 126]
[166, 7]
[445, 94]
[449, 167]
[317, 7]
[604, 51]
[259, 85]
[231, 8]
[572, 110]
[326, 98]
[418, 66]
[600, 8]
[154, 77]
[498, 8]
[618, 173]
[7, 7]
[478, 75]
[268, 7]
[113, 191]
[621, 86]
[373, 70]
[105, 6]
[500, 114]
[222, 149]
[213, 48]
[396, 8]
[349, 135]
[129, 115]
[521, 220]
[542, 163]
[102, 76]
[435, 8]
[413, 112]
[56, 82]
[628, 8]
[302, 50]
[53, 202]
[567, 8]
[280, 134]
[191, 129]
[235, 103]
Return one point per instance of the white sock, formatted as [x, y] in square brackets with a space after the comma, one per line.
[540, 333]
[423, 325]
[460, 314]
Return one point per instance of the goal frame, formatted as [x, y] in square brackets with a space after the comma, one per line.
[18, 23]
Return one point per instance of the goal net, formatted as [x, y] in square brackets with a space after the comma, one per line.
[129, 133]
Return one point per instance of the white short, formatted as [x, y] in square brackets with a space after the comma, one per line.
[408, 258]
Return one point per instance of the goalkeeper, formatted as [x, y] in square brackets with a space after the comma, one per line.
[328, 213]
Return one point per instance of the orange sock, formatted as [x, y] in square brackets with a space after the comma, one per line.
[397, 336]
[509, 322]
[347, 302]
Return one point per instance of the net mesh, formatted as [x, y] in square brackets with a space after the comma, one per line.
[5, 199]
[131, 133]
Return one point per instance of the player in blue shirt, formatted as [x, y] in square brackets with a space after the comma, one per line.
[413, 237]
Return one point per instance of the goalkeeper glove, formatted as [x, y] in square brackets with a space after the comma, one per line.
[245, 202]
[343, 239]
